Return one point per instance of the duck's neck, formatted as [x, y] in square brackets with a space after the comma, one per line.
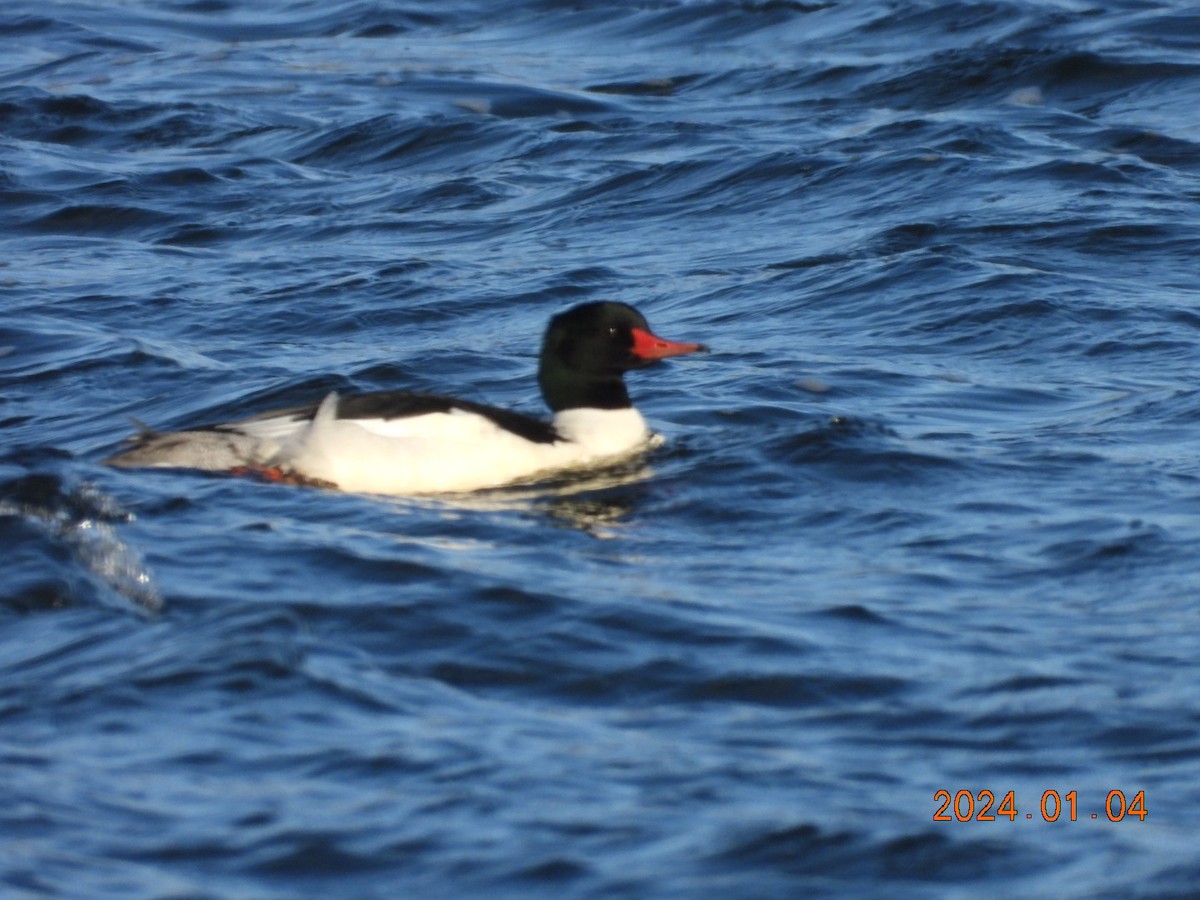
[563, 389]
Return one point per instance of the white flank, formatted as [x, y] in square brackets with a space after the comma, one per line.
[444, 452]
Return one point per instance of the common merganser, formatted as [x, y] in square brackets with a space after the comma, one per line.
[400, 442]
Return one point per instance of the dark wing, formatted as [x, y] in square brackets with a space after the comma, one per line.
[389, 405]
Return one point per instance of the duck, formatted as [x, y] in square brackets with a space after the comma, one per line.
[404, 442]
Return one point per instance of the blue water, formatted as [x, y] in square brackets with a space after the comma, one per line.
[926, 519]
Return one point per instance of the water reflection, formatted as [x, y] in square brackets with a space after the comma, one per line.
[79, 523]
[594, 500]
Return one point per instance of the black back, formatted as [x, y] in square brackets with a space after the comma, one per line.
[388, 405]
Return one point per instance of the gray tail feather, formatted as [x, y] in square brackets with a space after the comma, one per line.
[201, 449]
[144, 431]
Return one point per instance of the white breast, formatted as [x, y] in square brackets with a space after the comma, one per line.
[603, 432]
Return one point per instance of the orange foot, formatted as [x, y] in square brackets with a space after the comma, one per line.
[278, 475]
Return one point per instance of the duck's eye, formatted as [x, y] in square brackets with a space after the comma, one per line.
[613, 331]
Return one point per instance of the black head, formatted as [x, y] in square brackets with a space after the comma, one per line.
[588, 349]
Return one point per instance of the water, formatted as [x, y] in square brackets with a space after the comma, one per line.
[926, 519]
